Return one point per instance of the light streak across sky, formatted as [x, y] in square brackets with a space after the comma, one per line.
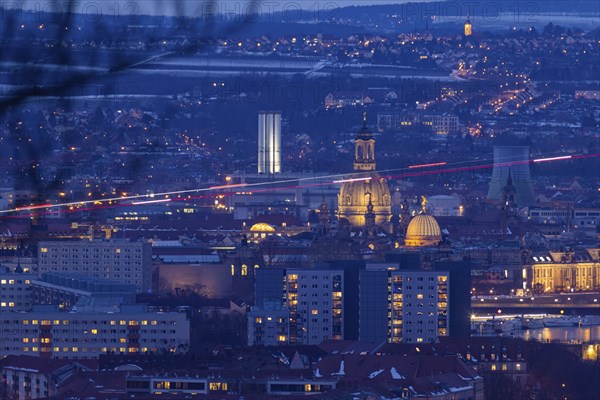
[139, 203]
[353, 180]
[552, 159]
[145, 199]
[439, 164]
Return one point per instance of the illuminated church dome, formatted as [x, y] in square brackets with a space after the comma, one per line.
[423, 230]
[366, 186]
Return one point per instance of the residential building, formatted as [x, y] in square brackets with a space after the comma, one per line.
[50, 333]
[269, 325]
[312, 297]
[28, 377]
[119, 260]
[403, 306]
[15, 291]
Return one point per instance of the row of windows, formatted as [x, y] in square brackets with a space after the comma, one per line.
[15, 282]
[83, 349]
[88, 249]
[47, 322]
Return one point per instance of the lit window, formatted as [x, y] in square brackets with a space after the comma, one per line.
[258, 320]
[493, 367]
[94, 331]
[217, 386]
[123, 340]
[44, 249]
[315, 312]
[25, 340]
[282, 338]
[244, 270]
[75, 349]
[504, 367]
[232, 270]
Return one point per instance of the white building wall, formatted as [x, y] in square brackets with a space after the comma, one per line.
[118, 260]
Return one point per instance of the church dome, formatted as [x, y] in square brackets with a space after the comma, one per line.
[354, 197]
[423, 230]
[366, 191]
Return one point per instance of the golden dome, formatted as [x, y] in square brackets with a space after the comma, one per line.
[366, 185]
[354, 197]
[262, 227]
[423, 230]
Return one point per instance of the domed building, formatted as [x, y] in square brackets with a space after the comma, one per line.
[365, 193]
[423, 230]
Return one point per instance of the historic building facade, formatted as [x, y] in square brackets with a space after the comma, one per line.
[557, 272]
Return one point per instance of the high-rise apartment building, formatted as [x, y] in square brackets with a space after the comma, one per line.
[403, 306]
[312, 298]
[269, 142]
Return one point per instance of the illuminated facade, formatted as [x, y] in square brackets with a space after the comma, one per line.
[366, 187]
[468, 27]
[269, 143]
[47, 332]
[557, 272]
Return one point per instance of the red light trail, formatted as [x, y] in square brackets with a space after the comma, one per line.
[121, 202]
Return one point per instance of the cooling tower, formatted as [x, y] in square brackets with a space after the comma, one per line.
[513, 160]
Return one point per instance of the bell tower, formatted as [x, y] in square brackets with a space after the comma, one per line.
[468, 27]
[364, 149]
